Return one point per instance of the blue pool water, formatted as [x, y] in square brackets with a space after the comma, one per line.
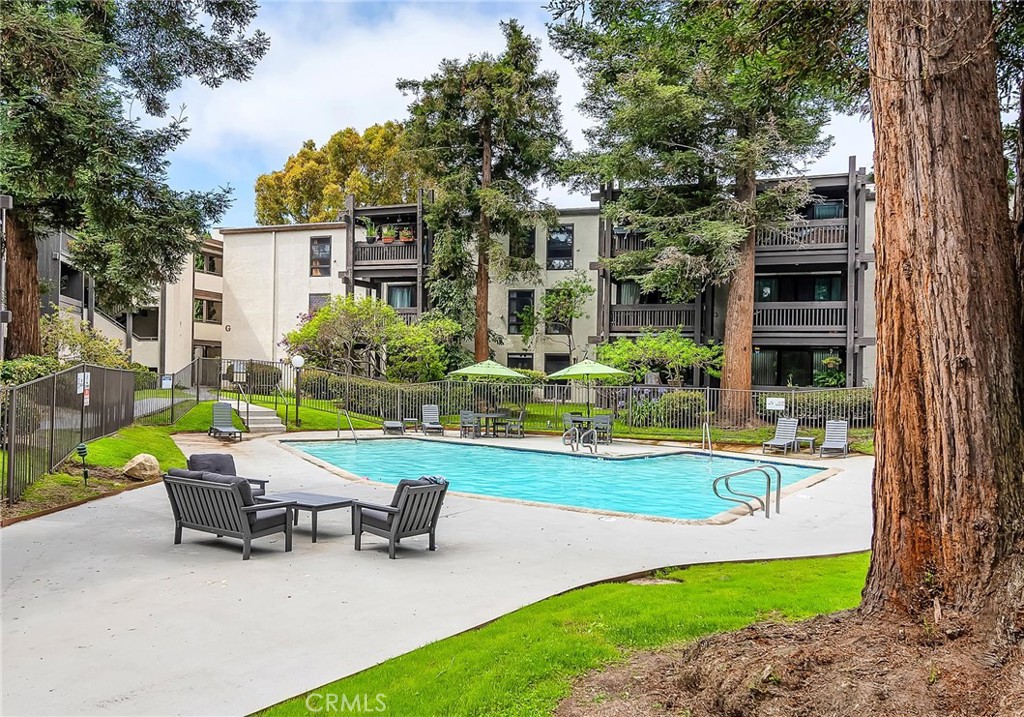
[674, 486]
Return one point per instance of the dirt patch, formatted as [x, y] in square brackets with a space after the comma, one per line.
[66, 488]
[833, 666]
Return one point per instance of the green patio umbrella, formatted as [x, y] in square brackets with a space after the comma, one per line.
[487, 369]
[587, 370]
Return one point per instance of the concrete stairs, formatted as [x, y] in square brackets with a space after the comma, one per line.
[261, 420]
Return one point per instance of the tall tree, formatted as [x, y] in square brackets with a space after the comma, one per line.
[74, 157]
[949, 518]
[314, 182]
[486, 130]
[692, 103]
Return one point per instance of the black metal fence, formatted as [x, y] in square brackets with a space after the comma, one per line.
[42, 421]
[166, 398]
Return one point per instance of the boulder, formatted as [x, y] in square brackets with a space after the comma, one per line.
[142, 467]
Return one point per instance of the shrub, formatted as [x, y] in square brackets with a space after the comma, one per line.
[27, 368]
[145, 378]
[261, 378]
[682, 409]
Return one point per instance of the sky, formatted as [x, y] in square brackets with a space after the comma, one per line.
[333, 65]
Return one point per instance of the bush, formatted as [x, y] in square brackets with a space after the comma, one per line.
[682, 409]
[27, 368]
[261, 378]
[145, 379]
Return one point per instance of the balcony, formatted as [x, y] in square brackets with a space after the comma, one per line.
[811, 319]
[380, 254]
[409, 316]
[635, 318]
[813, 240]
[625, 243]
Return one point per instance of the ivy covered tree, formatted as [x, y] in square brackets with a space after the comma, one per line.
[313, 184]
[692, 103]
[74, 157]
[485, 130]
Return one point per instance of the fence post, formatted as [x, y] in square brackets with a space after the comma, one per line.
[199, 374]
[53, 419]
[11, 406]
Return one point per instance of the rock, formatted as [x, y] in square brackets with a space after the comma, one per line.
[142, 467]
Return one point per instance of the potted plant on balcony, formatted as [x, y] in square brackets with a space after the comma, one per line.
[388, 234]
[371, 231]
[406, 235]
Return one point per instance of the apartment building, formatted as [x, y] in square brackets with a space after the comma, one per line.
[183, 321]
[814, 284]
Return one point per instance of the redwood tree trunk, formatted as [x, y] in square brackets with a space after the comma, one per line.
[949, 431]
[481, 344]
[22, 289]
[736, 405]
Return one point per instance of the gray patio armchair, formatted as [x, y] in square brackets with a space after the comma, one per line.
[222, 425]
[837, 438]
[431, 420]
[221, 464]
[785, 436]
[468, 423]
[224, 505]
[511, 424]
[603, 428]
[414, 510]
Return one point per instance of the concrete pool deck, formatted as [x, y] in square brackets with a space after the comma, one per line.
[101, 614]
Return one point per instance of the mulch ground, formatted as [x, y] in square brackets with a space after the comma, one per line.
[832, 666]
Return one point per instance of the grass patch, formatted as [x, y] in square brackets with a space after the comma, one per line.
[524, 663]
[127, 443]
[59, 489]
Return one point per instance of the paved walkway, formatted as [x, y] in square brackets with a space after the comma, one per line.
[101, 614]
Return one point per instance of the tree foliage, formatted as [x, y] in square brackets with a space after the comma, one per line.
[666, 352]
[70, 340]
[312, 185]
[73, 154]
[485, 130]
[559, 306]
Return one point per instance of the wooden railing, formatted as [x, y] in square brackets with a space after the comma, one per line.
[800, 317]
[623, 243]
[809, 234]
[409, 316]
[380, 253]
[636, 317]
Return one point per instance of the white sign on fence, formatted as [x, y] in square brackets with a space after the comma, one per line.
[166, 381]
[775, 404]
[82, 382]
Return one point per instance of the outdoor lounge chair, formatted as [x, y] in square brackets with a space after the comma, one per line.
[414, 510]
[222, 425]
[785, 436]
[431, 420]
[222, 464]
[224, 505]
[468, 423]
[837, 438]
[394, 427]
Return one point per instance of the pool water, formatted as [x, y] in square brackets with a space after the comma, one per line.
[672, 486]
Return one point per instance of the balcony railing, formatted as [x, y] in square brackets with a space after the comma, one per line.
[809, 234]
[409, 316]
[381, 253]
[796, 317]
[623, 243]
[633, 318]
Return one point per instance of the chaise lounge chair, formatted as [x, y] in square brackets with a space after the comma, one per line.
[431, 420]
[414, 510]
[837, 438]
[222, 425]
[394, 427]
[221, 464]
[785, 436]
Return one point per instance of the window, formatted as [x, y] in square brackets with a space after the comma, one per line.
[317, 302]
[524, 246]
[828, 288]
[560, 247]
[555, 362]
[207, 311]
[785, 367]
[834, 209]
[766, 289]
[799, 287]
[208, 264]
[519, 300]
[320, 256]
[402, 296]
[629, 292]
[520, 361]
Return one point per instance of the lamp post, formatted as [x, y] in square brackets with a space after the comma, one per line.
[298, 362]
[6, 203]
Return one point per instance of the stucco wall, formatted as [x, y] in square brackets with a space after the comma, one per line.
[176, 323]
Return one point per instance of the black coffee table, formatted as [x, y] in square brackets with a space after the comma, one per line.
[313, 502]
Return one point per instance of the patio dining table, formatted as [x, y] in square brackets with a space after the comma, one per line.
[488, 418]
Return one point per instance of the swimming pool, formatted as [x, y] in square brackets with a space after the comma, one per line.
[671, 486]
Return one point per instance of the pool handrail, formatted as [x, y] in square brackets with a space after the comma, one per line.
[765, 504]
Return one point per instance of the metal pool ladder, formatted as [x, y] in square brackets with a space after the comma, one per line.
[705, 440]
[749, 501]
[351, 428]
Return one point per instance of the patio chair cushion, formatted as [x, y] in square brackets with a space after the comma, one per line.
[182, 473]
[222, 463]
[264, 519]
[376, 518]
[244, 489]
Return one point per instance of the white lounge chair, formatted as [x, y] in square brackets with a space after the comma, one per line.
[431, 420]
[837, 438]
[785, 436]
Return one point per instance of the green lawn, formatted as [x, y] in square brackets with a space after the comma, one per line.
[127, 443]
[523, 664]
